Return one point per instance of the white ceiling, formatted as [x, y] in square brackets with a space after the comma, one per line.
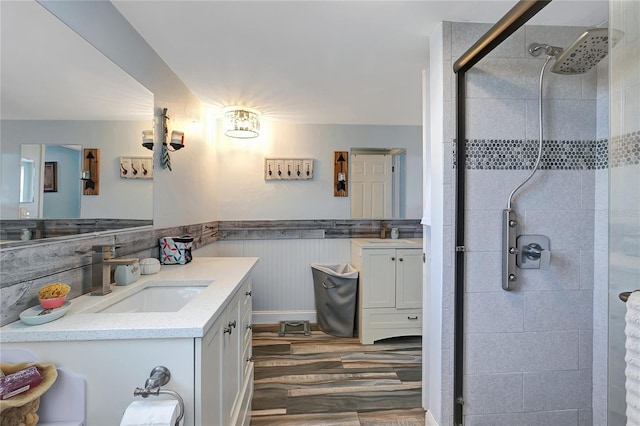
[350, 62]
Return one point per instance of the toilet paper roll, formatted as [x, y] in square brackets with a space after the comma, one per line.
[151, 413]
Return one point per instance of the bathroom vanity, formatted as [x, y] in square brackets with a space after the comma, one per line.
[206, 343]
[390, 287]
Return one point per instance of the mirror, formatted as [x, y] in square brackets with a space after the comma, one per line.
[378, 183]
[27, 180]
[60, 95]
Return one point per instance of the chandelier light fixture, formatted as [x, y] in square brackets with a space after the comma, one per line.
[241, 122]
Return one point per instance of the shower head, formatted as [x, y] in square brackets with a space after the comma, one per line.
[583, 54]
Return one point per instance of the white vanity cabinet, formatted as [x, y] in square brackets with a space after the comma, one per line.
[225, 381]
[206, 345]
[389, 290]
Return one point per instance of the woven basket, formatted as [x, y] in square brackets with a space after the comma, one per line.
[21, 409]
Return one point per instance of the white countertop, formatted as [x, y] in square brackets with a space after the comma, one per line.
[366, 243]
[193, 320]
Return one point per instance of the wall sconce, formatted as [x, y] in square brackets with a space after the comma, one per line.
[241, 122]
[147, 139]
[177, 140]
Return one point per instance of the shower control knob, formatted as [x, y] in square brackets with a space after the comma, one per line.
[513, 223]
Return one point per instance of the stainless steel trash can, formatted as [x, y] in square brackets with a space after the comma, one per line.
[336, 289]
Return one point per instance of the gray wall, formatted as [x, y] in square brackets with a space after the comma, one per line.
[528, 352]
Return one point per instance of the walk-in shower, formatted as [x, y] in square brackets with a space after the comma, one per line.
[579, 57]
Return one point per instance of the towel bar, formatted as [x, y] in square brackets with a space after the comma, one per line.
[624, 296]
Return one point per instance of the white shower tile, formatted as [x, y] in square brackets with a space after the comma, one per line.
[500, 393]
[490, 189]
[558, 310]
[563, 273]
[448, 207]
[588, 189]
[567, 229]
[465, 34]
[557, 390]
[484, 230]
[449, 81]
[600, 311]
[484, 271]
[490, 353]
[495, 312]
[586, 350]
[586, 418]
[557, 189]
[547, 418]
[496, 118]
[563, 119]
[590, 83]
[602, 189]
[586, 269]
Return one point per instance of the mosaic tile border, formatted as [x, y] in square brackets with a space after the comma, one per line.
[625, 150]
[514, 154]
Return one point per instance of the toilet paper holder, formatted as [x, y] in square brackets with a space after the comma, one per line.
[159, 377]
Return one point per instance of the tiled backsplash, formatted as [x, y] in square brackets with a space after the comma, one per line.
[24, 269]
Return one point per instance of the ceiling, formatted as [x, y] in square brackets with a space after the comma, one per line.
[341, 62]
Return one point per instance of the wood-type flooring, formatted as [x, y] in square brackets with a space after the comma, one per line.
[326, 380]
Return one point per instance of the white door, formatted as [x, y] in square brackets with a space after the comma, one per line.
[371, 177]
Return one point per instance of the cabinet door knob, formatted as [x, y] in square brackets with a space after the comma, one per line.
[228, 330]
[400, 259]
[232, 324]
[393, 258]
[249, 327]
[250, 359]
[412, 318]
[247, 293]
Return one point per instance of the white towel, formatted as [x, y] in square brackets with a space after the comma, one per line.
[632, 358]
[163, 412]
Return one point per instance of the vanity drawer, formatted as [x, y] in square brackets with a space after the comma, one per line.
[392, 318]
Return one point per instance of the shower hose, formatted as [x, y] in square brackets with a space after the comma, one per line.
[537, 163]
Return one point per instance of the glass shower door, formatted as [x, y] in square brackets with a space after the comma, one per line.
[624, 192]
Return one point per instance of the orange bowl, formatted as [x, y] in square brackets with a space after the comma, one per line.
[52, 303]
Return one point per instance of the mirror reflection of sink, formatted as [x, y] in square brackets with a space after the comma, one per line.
[392, 241]
[156, 296]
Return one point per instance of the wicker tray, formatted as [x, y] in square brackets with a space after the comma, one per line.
[21, 409]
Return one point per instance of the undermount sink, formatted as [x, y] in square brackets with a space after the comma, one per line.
[155, 296]
[392, 241]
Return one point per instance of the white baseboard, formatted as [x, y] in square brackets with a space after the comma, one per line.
[429, 420]
[274, 317]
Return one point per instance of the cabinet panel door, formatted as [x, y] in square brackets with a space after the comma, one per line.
[210, 379]
[232, 353]
[378, 284]
[409, 279]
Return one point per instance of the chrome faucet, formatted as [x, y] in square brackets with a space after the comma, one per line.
[101, 262]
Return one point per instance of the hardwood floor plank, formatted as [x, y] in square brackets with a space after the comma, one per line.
[324, 419]
[376, 387]
[413, 417]
[292, 370]
[360, 401]
[332, 381]
[409, 374]
[283, 361]
[324, 377]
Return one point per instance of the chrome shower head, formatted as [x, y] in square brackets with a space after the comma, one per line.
[585, 53]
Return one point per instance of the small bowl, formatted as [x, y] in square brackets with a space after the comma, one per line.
[52, 303]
